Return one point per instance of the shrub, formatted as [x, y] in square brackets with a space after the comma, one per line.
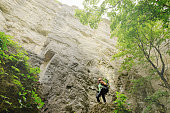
[18, 79]
[121, 105]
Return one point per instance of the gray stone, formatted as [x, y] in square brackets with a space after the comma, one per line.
[71, 56]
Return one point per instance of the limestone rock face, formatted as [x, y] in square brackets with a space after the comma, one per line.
[71, 56]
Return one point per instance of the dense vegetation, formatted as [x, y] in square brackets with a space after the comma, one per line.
[121, 104]
[18, 79]
[142, 29]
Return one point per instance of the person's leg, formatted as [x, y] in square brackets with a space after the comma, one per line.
[103, 93]
[98, 96]
[103, 96]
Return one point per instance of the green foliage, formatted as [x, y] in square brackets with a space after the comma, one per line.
[90, 15]
[140, 25]
[57, 1]
[18, 79]
[154, 99]
[37, 100]
[139, 84]
[121, 105]
[157, 95]
[3, 41]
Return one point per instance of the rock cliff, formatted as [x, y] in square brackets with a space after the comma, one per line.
[71, 56]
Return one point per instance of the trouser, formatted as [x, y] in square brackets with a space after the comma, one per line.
[102, 93]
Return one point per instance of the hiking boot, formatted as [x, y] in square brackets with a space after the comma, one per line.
[100, 102]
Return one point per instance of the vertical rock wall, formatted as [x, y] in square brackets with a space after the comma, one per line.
[71, 56]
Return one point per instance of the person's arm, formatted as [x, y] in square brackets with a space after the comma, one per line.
[103, 83]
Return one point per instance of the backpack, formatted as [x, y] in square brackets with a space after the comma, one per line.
[107, 82]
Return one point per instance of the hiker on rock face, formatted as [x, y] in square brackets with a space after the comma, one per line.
[103, 89]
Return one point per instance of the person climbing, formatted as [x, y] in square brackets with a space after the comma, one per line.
[103, 87]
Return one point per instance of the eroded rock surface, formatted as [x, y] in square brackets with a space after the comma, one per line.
[71, 56]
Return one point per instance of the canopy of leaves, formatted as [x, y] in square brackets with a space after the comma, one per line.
[142, 28]
[18, 80]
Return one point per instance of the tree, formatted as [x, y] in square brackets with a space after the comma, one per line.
[141, 27]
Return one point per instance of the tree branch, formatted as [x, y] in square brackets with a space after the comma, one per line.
[157, 63]
[150, 61]
[114, 5]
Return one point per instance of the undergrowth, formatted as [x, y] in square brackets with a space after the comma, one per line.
[18, 79]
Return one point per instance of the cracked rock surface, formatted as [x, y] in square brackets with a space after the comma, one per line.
[71, 56]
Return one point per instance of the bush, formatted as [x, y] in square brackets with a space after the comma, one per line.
[121, 105]
[18, 79]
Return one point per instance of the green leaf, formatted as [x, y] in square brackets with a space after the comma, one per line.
[4, 97]
[7, 102]
[10, 58]
[24, 98]
[22, 75]
[17, 82]
[15, 76]
[16, 69]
